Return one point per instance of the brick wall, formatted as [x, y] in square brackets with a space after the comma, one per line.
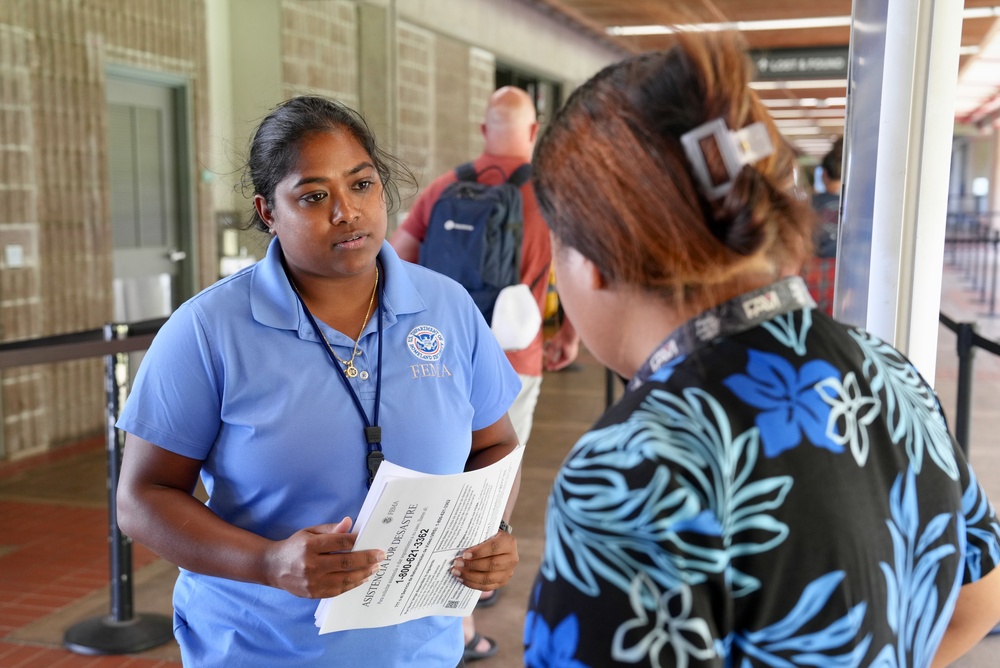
[482, 83]
[442, 89]
[415, 100]
[451, 105]
[53, 176]
[54, 59]
[319, 49]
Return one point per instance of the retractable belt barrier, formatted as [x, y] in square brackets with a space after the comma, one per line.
[967, 341]
[972, 244]
[122, 631]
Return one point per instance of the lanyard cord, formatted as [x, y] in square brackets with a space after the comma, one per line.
[736, 315]
[373, 432]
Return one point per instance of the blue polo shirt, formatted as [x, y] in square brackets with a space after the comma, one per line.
[238, 378]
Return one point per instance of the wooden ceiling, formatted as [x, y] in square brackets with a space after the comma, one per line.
[598, 15]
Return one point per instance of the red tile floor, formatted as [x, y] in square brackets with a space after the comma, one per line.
[51, 555]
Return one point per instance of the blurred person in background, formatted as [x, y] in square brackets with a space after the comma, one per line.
[820, 271]
[509, 129]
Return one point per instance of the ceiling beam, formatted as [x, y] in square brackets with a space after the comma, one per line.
[574, 20]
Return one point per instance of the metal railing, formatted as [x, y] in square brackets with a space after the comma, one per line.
[967, 340]
[972, 245]
[122, 631]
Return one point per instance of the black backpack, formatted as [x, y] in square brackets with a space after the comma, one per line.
[475, 234]
[827, 208]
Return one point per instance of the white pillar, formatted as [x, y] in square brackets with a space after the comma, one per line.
[908, 181]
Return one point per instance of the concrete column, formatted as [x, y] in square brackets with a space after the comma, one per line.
[377, 68]
[255, 38]
[220, 91]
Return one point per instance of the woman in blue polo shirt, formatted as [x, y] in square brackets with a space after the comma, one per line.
[283, 386]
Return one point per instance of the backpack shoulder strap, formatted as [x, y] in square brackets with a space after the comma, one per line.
[466, 172]
[520, 175]
[545, 272]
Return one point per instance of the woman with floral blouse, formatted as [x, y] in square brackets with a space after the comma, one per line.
[775, 488]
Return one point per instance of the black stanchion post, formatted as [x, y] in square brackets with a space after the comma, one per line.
[975, 259]
[122, 631]
[993, 281]
[963, 410]
[970, 267]
[966, 246]
[980, 256]
[609, 388]
[949, 239]
[984, 254]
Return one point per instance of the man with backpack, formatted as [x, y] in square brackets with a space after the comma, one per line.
[509, 129]
[820, 270]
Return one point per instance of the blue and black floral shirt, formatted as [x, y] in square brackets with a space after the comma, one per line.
[785, 494]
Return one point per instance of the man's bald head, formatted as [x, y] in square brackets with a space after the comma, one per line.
[511, 126]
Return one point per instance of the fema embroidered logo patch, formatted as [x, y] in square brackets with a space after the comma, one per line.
[426, 343]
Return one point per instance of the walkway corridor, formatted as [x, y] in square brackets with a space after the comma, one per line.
[53, 518]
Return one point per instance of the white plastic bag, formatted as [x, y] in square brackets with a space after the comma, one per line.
[516, 319]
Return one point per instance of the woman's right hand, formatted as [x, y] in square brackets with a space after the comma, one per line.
[318, 562]
[561, 349]
[157, 507]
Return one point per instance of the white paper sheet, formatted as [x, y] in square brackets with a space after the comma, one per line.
[422, 522]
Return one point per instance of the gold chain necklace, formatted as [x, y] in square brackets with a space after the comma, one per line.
[349, 369]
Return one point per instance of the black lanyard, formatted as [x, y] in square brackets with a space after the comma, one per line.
[373, 432]
[736, 315]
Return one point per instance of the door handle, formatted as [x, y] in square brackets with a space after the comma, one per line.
[175, 255]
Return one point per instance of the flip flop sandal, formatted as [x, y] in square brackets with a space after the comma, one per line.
[488, 602]
[471, 654]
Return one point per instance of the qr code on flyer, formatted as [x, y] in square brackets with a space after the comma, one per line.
[451, 604]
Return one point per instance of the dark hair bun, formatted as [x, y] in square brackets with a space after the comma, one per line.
[734, 220]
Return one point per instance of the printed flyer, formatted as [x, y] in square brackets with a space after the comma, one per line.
[422, 522]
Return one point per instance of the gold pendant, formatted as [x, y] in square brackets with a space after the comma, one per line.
[350, 371]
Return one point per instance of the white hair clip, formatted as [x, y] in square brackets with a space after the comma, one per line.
[742, 147]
